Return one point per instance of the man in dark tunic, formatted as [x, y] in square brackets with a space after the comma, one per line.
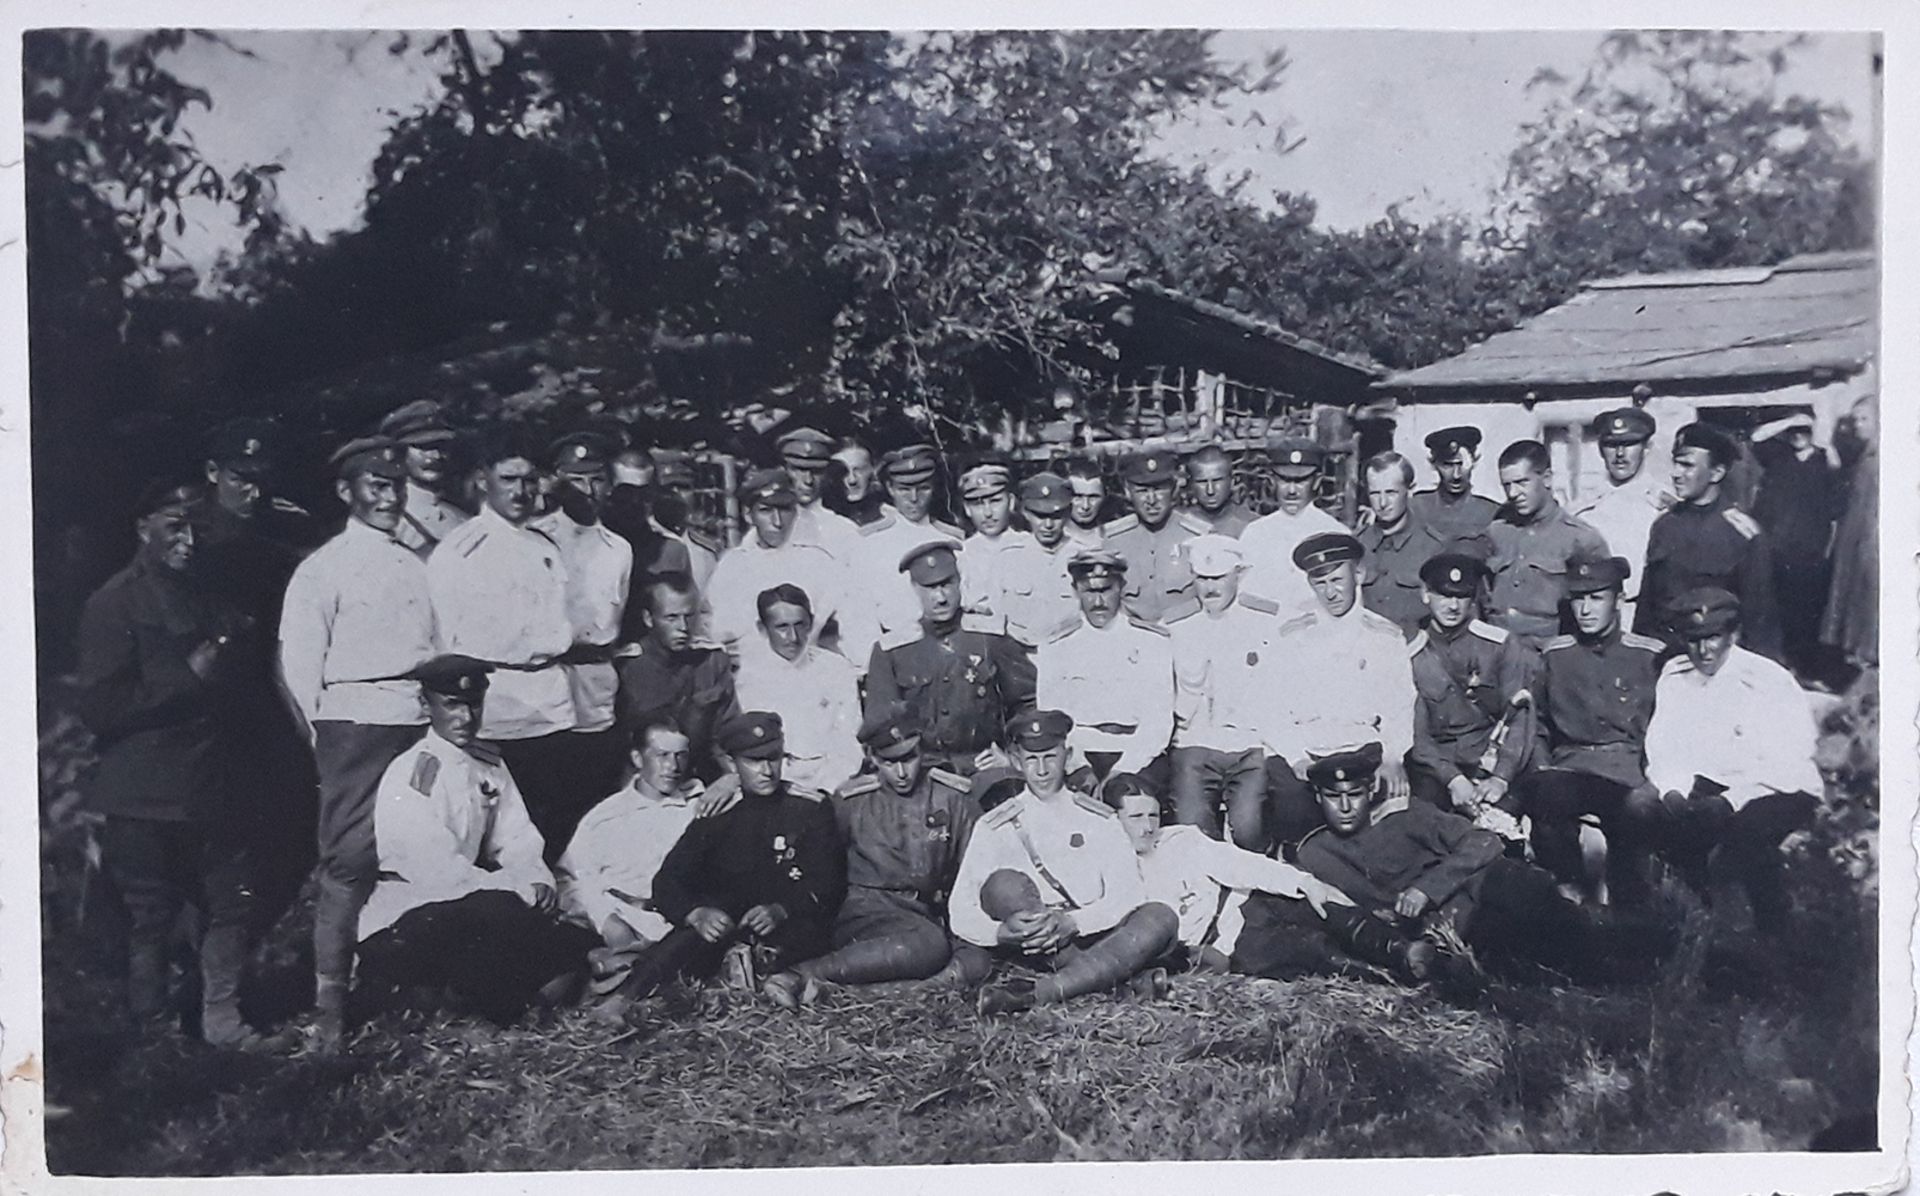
[1798, 502]
[755, 889]
[962, 687]
[670, 673]
[905, 826]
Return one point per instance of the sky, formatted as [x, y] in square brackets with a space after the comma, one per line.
[1417, 118]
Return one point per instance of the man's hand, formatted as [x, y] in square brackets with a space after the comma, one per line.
[1412, 903]
[1675, 803]
[710, 924]
[1393, 771]
[1488, 792]
[1463, 793]
[763, 920]
[1320, 895]
[1017, 929]
[546, 898]
[991, 756]
[719, 797]
[1059, 930]
[205, 656]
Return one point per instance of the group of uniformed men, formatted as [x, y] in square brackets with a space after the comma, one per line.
[561, 743]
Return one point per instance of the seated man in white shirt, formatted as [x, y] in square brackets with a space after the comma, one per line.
[1731, 752]
[814, 690]
[465, 903]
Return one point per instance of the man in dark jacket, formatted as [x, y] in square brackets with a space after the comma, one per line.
[158, 683]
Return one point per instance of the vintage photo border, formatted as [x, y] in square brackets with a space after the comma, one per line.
[21, 1087]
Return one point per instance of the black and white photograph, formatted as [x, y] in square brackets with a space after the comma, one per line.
[706, 599]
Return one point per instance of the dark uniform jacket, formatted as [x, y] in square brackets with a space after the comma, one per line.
[693, 687]
[165, 750]
[250, 562]
[962, 686]
[1712, 545]
[1595, 699]
[1392, 588]
[782, 850]
[909, 844]
[1440, 853]
[1466, 681]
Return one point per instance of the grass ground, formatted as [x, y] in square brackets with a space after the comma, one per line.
[1738, 1046]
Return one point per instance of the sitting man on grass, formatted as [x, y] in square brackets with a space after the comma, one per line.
[465, 906]
[905, 825]
[1412, 861]
[754, 889]
[1248, 913]
[1050, 879]
[606, 874]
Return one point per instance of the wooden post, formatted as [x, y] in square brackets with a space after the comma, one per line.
[730, 499]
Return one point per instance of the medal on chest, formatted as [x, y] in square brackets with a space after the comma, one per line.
[1077, 840]
[937, 829]
[973, 668]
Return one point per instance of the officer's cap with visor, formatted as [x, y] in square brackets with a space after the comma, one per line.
[1703, 611]
[806, 447]
[753, 735]
[985, 480]
[1346, 768]
[241, 447]
[418, 424]
[931, 563]
[893, 735]
[1156, 467]
[1296, 457]
[1039, 730]
[909, 463]
[1323, 550]
[369, 456]
[1623, 425]
[1452, 574]
[453, 676]
[584, 452]
[1097, 568]
[1214, 555]
[170, 495]
[1045, 494]
[767, 488]
[1590, 575]
[1443, 444]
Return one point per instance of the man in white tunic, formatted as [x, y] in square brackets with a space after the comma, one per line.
[816, 693]
[986, 489]
[1731, 751]
[1623, 509]
[908, 473]
[1113, 669]
[1031, 581]
[1269, 541]
[1347, 680]
[424, 433]
[807, 452]
[770, 556]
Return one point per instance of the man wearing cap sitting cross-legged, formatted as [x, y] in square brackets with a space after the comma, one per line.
[905, 825]
[1050, 878]
[961, 685]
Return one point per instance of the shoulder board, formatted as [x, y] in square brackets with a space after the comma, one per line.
[1146, 624]
[1634, 640]
[1423, 490]
[1064, 628]
[1002, 814]
[696, 536]
[1125, 523]
[941, 776]
[470, 546]
[1186, 608]
[1379, 622]
[1742, 522]
[426, 770]
[1488, 631]
[1679, 664]
[1265, 606]
[946, 529]
[1192, 522]
[1093, 805]
[486, 753]
[1299, 623]
[287, 507]
[877, 526]
[1417, 644]
[1559, 641]
[697, 644]
[859, 785]
[1303, 839]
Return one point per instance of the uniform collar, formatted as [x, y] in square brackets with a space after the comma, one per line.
[1594, 643]
[365, 531]
[688, 790]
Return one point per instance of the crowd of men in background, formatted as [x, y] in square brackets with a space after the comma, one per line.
[540, 741]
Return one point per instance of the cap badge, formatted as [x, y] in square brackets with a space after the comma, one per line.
[1453, 574]
[1339, 774]
[1293, 458]
[759, 732]
[251, 447]
[1153, 466]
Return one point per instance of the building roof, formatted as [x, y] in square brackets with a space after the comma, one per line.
[1811, 314]
[1254, 329]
